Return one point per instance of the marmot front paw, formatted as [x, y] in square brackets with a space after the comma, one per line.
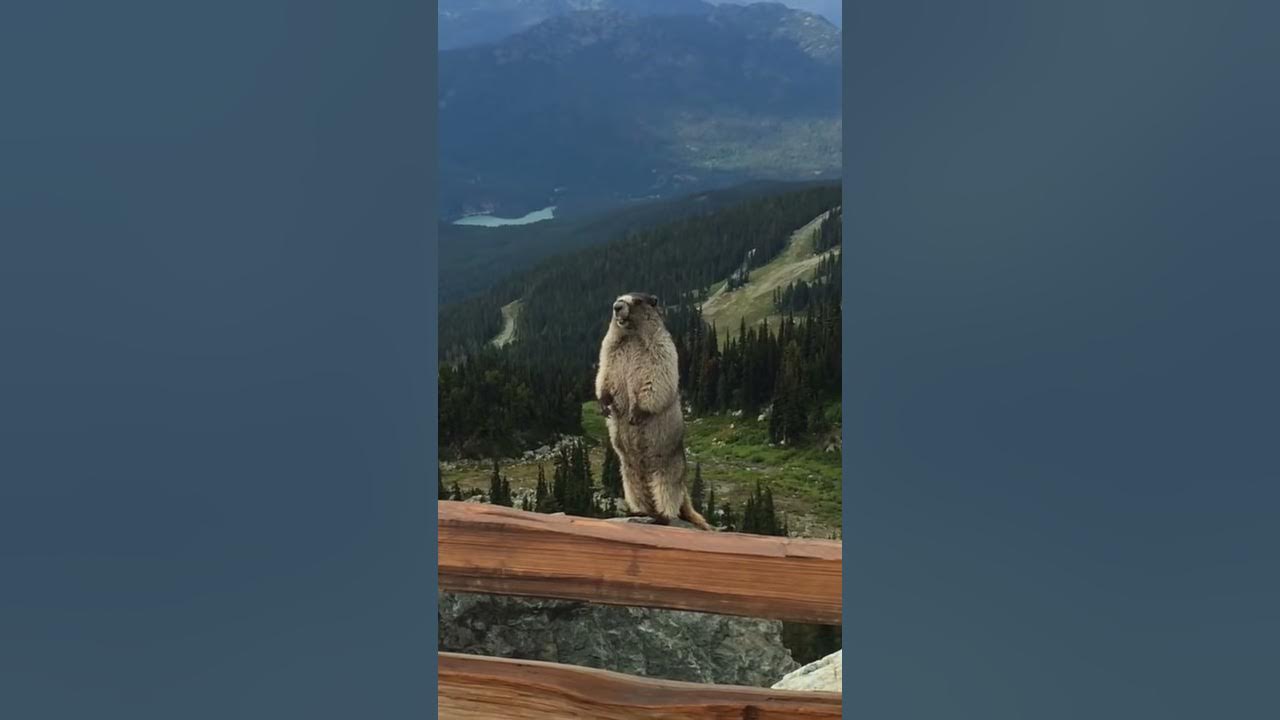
[637, 417]
[606, 404]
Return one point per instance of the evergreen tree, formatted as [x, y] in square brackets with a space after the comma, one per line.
[544, 501]
[728, 520]
[711, 503]
[759, 516]
[444, 494]
[768, 516]
[456, 492]
[573, 486]
[499, 487]
[560, 480]
[611, 473]
[697, 493]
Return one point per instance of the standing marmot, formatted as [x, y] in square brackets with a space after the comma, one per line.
[638, 388]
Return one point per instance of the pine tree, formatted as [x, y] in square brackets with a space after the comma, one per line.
[768, 516]
[455, 493]
[611, 473]
[711, 502]
[759, 516]
[697, 493]
[560, 480]
[573, 487]
[499, 487]
[544, 501]
[729, 521]
[444, 494]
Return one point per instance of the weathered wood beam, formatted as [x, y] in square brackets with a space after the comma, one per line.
[473, 687]
[497, 550]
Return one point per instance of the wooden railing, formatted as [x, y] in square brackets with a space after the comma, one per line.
[497, 550]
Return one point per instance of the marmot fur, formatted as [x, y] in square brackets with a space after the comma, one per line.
[638, 386]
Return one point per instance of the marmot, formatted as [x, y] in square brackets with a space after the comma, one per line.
[638, 386]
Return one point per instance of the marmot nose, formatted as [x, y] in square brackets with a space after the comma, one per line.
[618, 306]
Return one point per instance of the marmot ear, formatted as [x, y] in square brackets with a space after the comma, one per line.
[653, 300]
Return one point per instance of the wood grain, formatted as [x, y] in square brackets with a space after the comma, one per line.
[497, 550]
[474, 687]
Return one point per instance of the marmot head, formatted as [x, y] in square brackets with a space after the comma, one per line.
[636, 310]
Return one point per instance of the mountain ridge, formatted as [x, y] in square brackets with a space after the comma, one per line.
[467, 23]
[603, 106]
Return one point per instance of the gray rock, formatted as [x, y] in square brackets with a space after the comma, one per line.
[667, 644]
[823, 675]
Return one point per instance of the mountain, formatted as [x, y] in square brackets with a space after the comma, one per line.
[462, 23]
[599, 107]
[829, 9]
[481, 22]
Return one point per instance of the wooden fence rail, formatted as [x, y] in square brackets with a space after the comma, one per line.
[497, 550]
[474, 688]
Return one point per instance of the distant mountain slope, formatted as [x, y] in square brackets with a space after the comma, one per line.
[473, 259]
[606, 106]
[482, 22]
[829, 9]
[463, 23]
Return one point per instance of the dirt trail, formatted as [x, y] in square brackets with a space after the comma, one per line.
[510, 313]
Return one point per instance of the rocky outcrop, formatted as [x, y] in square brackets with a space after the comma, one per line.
[667, 644]
[824, 675]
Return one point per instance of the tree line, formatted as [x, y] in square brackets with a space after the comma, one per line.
[823, 289]
[491, 404]
[829, 231]
[794, 370]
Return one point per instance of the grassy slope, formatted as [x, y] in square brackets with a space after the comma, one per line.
[754, 301]
[510, 313]
[734, 453]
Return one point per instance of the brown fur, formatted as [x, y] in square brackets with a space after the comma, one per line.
[637, 385]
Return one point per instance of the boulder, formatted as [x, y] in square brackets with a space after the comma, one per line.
[665, 644]
[823, 675]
